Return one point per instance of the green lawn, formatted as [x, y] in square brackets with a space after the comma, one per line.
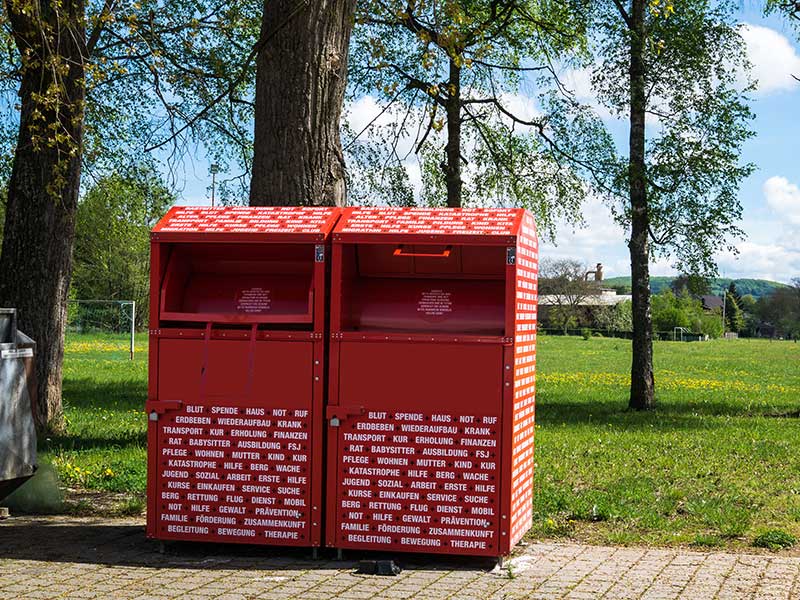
[104, 392]
[717, 464]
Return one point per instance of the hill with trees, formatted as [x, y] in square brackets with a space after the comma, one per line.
[755, 287]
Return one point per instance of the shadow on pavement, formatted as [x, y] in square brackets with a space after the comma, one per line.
[117, 542]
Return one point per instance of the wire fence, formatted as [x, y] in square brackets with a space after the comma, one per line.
[665, 336]
[112, 322]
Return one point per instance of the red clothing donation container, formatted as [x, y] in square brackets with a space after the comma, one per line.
[431, 391]
[235, 398]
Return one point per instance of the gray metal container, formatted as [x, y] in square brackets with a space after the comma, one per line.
[17, 405]
[8, 325]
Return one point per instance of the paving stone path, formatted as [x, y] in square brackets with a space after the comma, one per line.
[67, 557]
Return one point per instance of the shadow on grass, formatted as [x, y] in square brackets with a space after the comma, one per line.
[667, 415]
[116, 395]
[88, 394]
[71, 540]
[119, 441]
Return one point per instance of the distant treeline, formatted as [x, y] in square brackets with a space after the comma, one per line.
[755, 287]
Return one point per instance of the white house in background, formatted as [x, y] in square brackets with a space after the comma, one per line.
[597, 296]
[603, 297]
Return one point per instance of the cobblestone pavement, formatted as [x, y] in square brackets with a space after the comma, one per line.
[65, 557]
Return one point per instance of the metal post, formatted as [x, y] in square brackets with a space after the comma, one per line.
[214, 171]
[133, 326]
[724, 302]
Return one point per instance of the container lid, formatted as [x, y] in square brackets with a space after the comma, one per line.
[246, 223]
[384, 224]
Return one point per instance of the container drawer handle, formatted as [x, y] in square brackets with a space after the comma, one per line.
[400, 251]
[162, 406]
[337, 414]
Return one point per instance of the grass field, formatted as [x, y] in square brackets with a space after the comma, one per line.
[718, 464]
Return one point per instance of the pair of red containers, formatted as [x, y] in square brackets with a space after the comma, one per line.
[357, 378]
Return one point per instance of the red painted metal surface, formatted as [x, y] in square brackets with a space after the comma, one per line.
[293, 220]
[235, 397]
[431, 387]
[524, 384]
[407, 221]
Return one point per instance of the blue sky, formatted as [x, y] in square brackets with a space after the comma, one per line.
[770, 197]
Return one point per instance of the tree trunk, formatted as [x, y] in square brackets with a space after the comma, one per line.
[300, 86]
[642, 382]
[36, 260]
[453, 148]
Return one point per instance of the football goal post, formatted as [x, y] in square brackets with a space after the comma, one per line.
[117, 317]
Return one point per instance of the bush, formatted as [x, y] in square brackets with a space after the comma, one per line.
[774, 539]
[669, 318]
[586, 333]
[617, 318]
[711, 324]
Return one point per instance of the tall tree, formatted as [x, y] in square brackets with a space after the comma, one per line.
[448, 76]
[300, 85]
[672, 71]
[97, 97]
[36, 260]
[167, 76]
[733, 308]
[642, 379]
[733, 291]
[112, 238]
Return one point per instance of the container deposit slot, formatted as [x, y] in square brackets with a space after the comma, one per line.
[239, 284]
[418, 288]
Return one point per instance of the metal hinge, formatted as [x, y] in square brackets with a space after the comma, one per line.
[511, 255]
[319, 253]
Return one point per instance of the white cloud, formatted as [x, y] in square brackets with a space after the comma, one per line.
[783, 197]
[772, 249]
[761, 260]
[521, 106]
[579, 82]
[366, 111]
[662, 267]
[361, 112]
[414, 174]
[773, 58]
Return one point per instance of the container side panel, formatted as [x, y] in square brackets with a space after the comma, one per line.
[234, 457]
[417, 469]
[527, 264]
[156, 272]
